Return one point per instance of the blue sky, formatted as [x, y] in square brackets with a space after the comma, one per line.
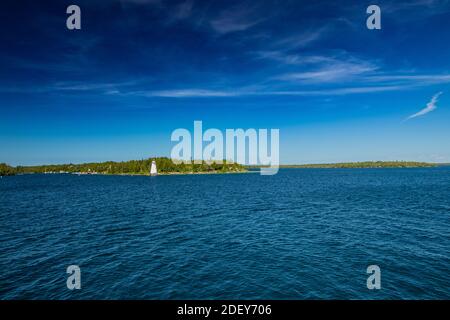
[139, 69]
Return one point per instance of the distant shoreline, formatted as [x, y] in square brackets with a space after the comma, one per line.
[159, 174]
[134, 174]
[360, 165]
[92, 168]
[165, 166]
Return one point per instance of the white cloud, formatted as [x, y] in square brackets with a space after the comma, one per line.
[189, 93]
[86, 86]
[430, 107]
[330, 73]
[292, 59]
[336, 91]
[237, 92]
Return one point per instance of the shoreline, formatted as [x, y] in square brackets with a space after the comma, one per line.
[252, 170]
[165, 174]
[134, 174]
[90, 168]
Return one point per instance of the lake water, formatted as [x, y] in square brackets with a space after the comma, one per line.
[301, 234]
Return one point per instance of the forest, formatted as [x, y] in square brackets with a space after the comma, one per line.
[6, 170]
[366, 164]
[166, 166]
[138, 167]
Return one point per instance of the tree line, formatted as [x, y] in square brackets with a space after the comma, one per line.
[164, 165]
[6, 170]
[366, 164]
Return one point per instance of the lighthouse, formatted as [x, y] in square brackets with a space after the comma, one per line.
[153, 170]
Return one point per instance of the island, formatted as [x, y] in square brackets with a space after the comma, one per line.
[167, 167]
[365, 164]
[6, 170]
[133, 167]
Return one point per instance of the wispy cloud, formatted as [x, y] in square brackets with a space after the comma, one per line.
[239, 92]
[331, 73]
[238, 18]
[183, 10]
[430, 107]
[72, 87]
[429, 7]
[335, 91]
[302, 39]
[317, 69]
[80, 86]
[189, 93]
[410, 78]
[292, 59]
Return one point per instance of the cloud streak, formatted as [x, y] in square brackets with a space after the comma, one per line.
[303, 39]
[238, 18]
[431, 106]
[333, 73]
[189, 93]
[242, 92]
[292, 59]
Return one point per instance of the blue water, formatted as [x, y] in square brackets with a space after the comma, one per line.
[301, 234]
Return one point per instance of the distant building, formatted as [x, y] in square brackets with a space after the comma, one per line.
[153, 170]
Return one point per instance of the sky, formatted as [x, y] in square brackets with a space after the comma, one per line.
[139, 69]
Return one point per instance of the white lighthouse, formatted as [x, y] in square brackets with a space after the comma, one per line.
[153, 170]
